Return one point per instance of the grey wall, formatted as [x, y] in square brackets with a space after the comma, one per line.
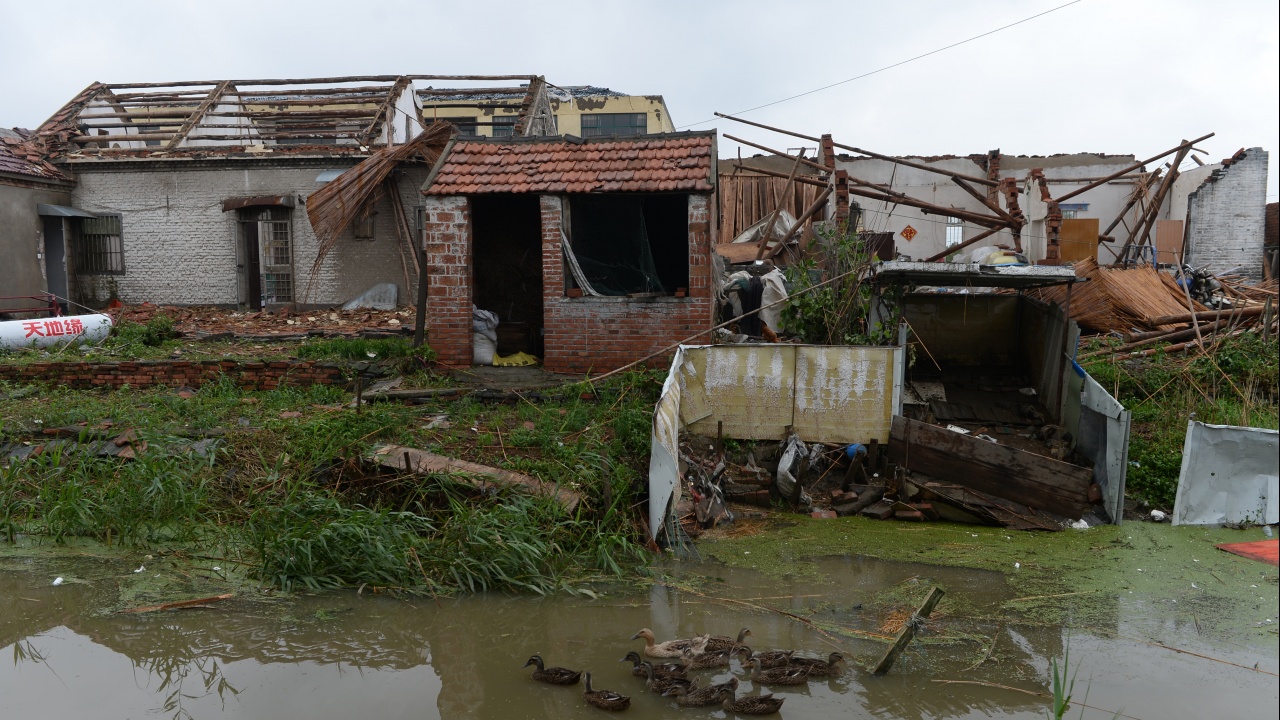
[1226, 216]
[180, 247]
[22, 240]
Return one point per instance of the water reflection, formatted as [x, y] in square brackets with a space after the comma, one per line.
[340, 655]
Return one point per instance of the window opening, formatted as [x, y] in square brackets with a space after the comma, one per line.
[277, 255]
[466, 125]
[955, 232]
[629, 244]
[99, 247]
[504, 125]
[614, 124]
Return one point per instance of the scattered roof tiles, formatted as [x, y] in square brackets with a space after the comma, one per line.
[647, 163]
[18, 157]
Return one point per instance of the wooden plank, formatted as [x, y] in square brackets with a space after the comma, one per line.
[421, 461]
[1079, 239]
[1033, 480]
[1169, 241]
[908, 632]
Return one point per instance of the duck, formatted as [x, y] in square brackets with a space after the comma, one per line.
[750, 705]
[661, 685]
[821, 668]
[605, 699]
[768, 658]
[724, 642]
[553, 675]
[705, 660]
[662, 670]
[790, 675]
[670, 648]
[696, 696]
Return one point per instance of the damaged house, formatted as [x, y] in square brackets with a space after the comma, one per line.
[592, 252]
[1171, 208]
[207, 192]
[35, 212]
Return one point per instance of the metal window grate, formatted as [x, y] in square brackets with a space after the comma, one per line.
[613, 124]
[99, 248]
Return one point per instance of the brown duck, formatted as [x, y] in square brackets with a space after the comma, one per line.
[724, 642]
[661, 685]
[751, 704]
[705, 660]
[670, 648]
[696, 696]
[662, 670]
[821, 668]
[605, 699]
[553, 675]
[768, 658]
[787, 675]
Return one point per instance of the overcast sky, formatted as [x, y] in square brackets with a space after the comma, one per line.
[1113, 76]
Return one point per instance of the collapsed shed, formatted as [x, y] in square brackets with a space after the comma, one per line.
[980, 405]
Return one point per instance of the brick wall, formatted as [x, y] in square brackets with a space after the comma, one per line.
[176, 373]
[599, 334]
[181, 248]
[1225, 216]
[581, 334]
[448, 249]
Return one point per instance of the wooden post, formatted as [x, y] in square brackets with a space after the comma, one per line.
[908, 632]
[777, 208]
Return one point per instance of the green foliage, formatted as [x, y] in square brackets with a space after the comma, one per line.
[1235, 384]
[836, 313]
[362, 349]
[271, 497]
[154, 333]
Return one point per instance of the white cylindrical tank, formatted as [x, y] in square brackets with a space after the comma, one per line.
[44, 332]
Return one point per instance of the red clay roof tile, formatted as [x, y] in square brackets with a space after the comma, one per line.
[553, 165]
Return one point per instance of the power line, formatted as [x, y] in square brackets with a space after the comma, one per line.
[890, 67]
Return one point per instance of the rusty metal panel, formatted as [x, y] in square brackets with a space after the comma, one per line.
[1079, 239]
[1169, 241]
[747, 387]
[844, 394]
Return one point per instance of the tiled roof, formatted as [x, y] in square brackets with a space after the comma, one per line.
[17, 157]
[648, 163]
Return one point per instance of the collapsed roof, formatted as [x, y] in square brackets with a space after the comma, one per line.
[318, 116]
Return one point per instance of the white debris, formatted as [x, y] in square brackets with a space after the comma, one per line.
[1080, 525]
[1157, 516]
[140, 569]
[57, 580]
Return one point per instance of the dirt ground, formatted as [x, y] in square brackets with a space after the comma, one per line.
[198, 321]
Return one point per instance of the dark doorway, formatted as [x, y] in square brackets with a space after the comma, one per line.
[250, 265]
[55, 259]
[507, 268]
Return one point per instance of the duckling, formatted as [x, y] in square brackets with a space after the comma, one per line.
[605, 699]
[696, 696]
[661, 685]
[821, 668]
[798, 675]
[750, 705]
[670, 648]
[705, 660]
[768, 658]
[662, 670]
[553, 675]
[724, 642]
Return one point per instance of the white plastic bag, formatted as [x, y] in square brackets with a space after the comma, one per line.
[485, 323]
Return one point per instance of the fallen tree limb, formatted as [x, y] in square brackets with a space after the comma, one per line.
[179, 604]
[397, 457]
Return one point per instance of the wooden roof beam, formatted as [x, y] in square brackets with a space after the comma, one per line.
[210, 100]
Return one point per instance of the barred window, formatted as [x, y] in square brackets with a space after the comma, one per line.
[98, 249]
[614, 124]
[955, 232]
[504, 125]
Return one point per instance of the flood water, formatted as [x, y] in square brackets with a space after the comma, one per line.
[339, 655]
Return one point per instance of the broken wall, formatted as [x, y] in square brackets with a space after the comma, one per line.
[834, 394]
[22, 239]
[1226, 216]
[181, 248]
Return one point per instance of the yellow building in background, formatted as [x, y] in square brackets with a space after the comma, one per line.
[582, 110]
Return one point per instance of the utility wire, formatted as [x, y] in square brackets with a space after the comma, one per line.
[890, 67]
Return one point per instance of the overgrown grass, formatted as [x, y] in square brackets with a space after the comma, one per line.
[1236, 384]
[362, 349]
[289, 490]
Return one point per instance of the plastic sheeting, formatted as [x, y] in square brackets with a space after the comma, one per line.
[1229, 474]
